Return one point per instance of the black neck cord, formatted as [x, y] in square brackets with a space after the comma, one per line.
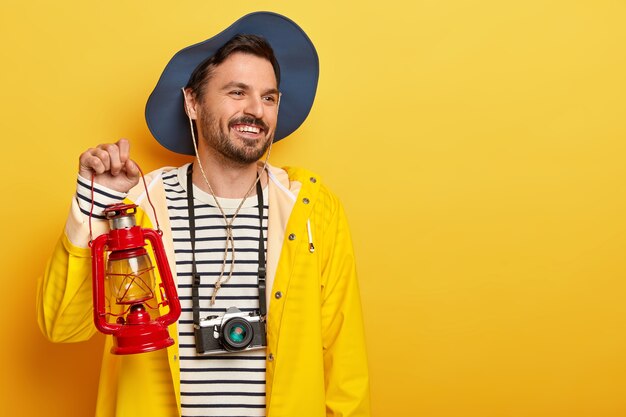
[194, 272]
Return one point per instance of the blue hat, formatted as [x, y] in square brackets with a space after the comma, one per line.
[299, 72]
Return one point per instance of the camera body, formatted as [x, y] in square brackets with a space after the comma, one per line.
[232, 332]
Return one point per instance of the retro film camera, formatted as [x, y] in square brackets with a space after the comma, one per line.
[234, 331]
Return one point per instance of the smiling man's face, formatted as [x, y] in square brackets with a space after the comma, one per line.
[237, 113]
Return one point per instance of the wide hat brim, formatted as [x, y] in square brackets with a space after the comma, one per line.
[299, 69]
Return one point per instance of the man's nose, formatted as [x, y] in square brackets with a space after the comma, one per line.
[254, 107]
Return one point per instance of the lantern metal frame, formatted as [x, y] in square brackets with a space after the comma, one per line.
[137, 332]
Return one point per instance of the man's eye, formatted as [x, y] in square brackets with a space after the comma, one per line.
[237, 93]
[270, 99]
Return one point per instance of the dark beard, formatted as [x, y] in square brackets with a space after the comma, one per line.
[249, 153]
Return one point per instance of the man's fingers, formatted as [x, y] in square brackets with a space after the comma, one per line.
[132, 170]
[112, 157]
[111, 165]
[93, 161]
[123, 146]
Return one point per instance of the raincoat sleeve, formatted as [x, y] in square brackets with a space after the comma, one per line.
[345, 360]
[64, 295]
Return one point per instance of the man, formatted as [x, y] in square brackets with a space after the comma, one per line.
[220, 101]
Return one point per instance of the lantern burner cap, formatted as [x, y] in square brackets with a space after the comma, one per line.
[138, 315]
[137, 307]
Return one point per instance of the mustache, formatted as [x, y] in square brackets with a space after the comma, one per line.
[247, 120]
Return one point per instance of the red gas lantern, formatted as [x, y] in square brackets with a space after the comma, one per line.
[128, 308]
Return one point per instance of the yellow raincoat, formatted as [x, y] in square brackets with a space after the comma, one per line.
[316, 361]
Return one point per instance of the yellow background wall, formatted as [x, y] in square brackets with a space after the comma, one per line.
[478, 147]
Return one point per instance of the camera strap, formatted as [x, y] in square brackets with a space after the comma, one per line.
[196, 279]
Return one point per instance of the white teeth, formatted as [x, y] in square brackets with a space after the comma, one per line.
[250, 129]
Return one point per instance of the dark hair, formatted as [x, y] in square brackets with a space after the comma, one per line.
[248, 44]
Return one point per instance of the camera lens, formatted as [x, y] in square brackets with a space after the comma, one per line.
[236, 334]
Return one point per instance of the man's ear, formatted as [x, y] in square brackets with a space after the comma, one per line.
[190, 103]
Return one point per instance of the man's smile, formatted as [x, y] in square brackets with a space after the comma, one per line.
[247, 128]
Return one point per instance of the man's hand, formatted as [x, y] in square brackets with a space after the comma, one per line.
[111, 164]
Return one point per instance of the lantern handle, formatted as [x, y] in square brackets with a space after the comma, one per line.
[93, 176]
[145, 185]
[143, 178]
